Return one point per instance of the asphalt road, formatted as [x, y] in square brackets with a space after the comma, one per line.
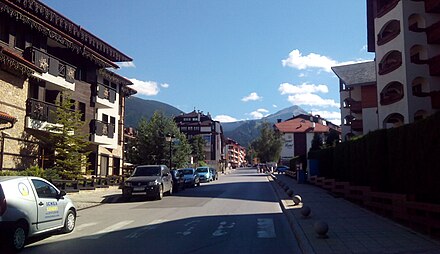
[238, 213]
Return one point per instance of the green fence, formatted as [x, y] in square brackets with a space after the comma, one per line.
[399, 160]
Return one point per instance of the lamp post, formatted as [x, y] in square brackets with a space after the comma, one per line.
[170, 138]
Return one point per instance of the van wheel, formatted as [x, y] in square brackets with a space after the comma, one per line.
[69, 224]
[18, 237]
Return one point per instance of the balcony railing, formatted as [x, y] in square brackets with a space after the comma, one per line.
[433, 33]
[102, 129]
[106, 93]
[357, 125]
[51, 64]
[40, 110]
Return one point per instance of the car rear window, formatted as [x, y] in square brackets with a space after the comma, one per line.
[202, 170]
[187, 172]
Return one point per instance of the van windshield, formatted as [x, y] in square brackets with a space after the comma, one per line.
[146, 171]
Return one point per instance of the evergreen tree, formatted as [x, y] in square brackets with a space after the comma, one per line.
[67, 142]
[197, 146]
[268, 145]
[151, 146]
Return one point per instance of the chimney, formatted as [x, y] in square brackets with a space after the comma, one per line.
[279, 120]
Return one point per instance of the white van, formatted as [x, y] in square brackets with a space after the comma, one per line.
[31, 206]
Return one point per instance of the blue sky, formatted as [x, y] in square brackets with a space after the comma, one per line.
[236, 59]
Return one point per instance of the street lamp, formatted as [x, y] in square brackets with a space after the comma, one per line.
[170, 138]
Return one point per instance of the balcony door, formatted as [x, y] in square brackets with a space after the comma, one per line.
[104, 165]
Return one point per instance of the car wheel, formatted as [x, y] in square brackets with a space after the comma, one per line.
[69, 224]
[160, 193]
[18, 236]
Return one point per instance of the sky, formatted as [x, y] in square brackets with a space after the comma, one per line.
[234, 59]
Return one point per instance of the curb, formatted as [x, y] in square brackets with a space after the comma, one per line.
[302, 240]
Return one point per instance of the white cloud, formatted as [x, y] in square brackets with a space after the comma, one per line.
[298, 61]
[149, 88]
[311, 100]
[275, 106]
[332, 116]
[259, 113]
[302, 75]
[286, 88]
[127, 65]
[225, 119]
[252, 97]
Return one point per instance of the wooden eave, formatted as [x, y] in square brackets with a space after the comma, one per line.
[52, 24]
[17, 62]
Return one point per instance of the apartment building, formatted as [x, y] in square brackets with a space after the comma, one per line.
[235, 154]
[43, 55]
[297, 134]
[196, 123]
[358, 98]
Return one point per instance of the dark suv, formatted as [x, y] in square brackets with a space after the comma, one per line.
[152, 180]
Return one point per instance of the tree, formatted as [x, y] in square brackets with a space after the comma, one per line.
[67, 142]
[151, 146]
[316, 142]
[197, 145]
[268, 145]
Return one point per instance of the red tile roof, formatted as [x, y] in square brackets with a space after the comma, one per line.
[5, 118]
[300, 125]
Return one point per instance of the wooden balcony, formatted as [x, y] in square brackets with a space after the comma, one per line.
[434, 66]
[433, 33]
[432, 6]
[103, 129]
[384, 6]
[104, 96]
[356, 106]
[51, 64]
[41, 110]
[357, 125]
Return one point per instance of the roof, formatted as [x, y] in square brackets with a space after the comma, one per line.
[356, 74]
[299, 125]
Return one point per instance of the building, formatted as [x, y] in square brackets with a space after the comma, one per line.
[43, 55]
[298, 132]
[235, 154]
[358, 98]
[196, 123]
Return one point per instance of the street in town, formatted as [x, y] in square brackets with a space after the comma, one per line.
[238, 213]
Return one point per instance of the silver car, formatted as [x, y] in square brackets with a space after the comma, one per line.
[31, 206]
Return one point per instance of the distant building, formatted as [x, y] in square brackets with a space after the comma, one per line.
[235, 154]
[298, 132]
[196, 123]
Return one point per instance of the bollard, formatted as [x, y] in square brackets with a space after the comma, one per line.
[289, 192]
[297, 199]
[305, 211]
[321, 228]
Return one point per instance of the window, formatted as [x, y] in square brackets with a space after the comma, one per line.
[106, 82]
[4, 31]
[112, 120]
[104, 118]
[44, 190]
[82, 109]
[390, 62]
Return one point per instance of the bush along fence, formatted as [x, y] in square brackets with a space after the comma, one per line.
[395, 172]
[88, 183]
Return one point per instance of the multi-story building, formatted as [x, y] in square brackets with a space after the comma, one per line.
[196, 123]
[298, 132]
[44, 55]
[235, 154]
[358, 98]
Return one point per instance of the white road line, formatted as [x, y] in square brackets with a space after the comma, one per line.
[222, 229]
[150, 226]
[82, 226]
[265, 228]
[107, 230]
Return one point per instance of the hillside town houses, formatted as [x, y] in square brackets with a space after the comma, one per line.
[42, 55]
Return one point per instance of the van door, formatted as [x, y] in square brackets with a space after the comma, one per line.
[50, 209]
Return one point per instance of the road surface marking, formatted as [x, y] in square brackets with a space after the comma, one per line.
[222, 228]
[190, 227]
[107, 230]
[265, 228]
[82, 226]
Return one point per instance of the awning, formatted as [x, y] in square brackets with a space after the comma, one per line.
[6, 121]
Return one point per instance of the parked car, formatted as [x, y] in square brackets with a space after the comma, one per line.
[152, 180]
[204, 174]
[191, 177]
[282, 169]
[178, 180]
[30, 206]
[214, 174]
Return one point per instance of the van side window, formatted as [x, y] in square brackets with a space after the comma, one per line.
[44, 190]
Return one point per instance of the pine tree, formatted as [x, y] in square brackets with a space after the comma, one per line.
[66, 141]
[268, 145]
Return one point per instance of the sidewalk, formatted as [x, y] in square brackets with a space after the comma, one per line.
[352, 229]
[90, 198]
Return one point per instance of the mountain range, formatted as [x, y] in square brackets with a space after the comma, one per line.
[244, 132]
